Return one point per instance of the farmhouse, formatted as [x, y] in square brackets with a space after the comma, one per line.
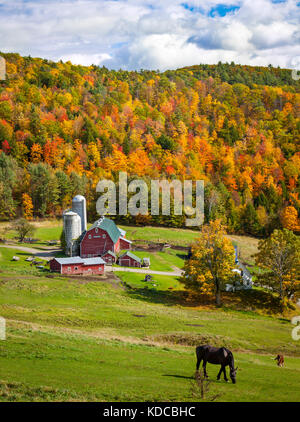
[128, 259]
[77, 265]
[103, 236]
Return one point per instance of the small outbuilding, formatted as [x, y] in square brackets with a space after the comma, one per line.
[125, 243]
[146, 262]
[109, 257]
[78, 265]
[128, 259]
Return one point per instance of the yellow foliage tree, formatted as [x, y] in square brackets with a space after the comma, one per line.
[211, 263]
[36, 153]
[27, 206]
[290, 220]
[279, 255]
[93, 152]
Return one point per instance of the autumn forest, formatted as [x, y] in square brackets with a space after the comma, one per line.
[65, 127]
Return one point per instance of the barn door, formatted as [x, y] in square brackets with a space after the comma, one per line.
[125, 262]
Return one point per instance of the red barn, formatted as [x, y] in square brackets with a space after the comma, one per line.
[128, 259]
[77, 265]
[103, 236]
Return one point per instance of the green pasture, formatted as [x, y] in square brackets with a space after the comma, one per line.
[158, 282]
[163, 261]
[42, 365]
[69, 340]
[19, 267]
[161, 234]
[51, 230]
[77, 339]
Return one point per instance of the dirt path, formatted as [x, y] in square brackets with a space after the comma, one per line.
[177, 272]
[46, 254]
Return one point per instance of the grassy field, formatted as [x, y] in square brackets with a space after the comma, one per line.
[21, 266]
[70, 340]
[158, 282]
[164, 261]
[74, 339]
[44, 231]
[247, 245]
[51, 230]
[161, 234]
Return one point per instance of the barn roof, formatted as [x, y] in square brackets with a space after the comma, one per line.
[109, 226]
[110, 253]
[123, 232]
[126, 240]
[71, 260]
[93, 261]
[131, 255]
[79, 260]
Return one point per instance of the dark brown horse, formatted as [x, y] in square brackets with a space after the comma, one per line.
[217, 356]
[280, 360]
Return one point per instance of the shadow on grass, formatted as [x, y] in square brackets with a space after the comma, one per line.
[181, 256]
[168, 298]
[250, 301]
[179, 376]
[22, 254]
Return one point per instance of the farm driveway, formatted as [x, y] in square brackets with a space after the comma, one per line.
[177, 272]
[46, 254]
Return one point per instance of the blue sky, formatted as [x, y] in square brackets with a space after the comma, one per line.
[166, 34]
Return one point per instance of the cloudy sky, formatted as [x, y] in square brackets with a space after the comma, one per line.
[149, 34]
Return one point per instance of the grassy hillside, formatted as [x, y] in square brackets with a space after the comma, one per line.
[79, 339]
[65, 127]
[70, 340]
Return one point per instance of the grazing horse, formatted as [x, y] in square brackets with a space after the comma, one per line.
[216, 356]
[280, 360]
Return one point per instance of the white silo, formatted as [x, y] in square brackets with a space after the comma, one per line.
[72, 228]
[79, 206]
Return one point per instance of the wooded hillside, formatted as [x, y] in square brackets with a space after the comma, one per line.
[64, 127]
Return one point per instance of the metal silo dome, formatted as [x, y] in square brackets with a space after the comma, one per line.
[79, 206]
[78, 198]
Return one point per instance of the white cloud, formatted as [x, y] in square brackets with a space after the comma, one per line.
[275, 34]
[86, 59]
[135, 34]
[163, 51]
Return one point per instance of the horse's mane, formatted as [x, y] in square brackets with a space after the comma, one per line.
[230, 357]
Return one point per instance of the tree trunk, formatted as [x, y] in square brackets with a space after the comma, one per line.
[218, 298]
[218, 294]
[280, 288]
